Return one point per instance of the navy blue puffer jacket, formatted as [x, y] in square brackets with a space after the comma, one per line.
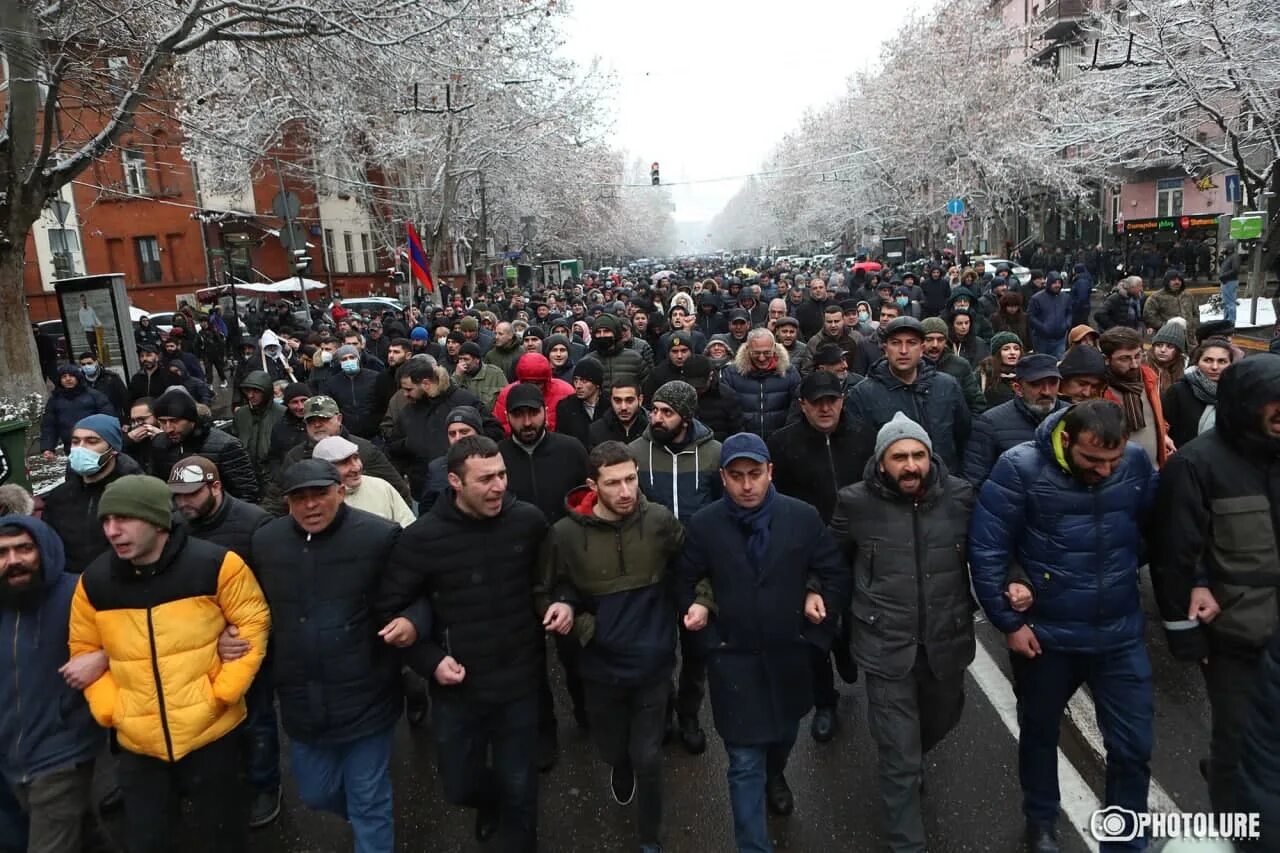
[1080, 546]
[765, 397]
[934, 401]
[995, 431]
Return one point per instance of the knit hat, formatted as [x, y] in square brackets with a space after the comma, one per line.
[344, 351]
[294, 390]
[470, 348]
[107, 428]
[419, 334]
[1082, 361]
[138, 496]
[175, 403]
[469, 324]
[465, 415]
[590, 370]
[1173, 332]
[897, 429]
[535, 332]
[935, 326]
[607, 321]
[680, 396]
[999, 339]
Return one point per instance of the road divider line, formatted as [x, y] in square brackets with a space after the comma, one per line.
[1084, 716]
[1078, 800]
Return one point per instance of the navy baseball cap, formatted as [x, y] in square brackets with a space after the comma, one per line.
[743, 445]
[1037, 366]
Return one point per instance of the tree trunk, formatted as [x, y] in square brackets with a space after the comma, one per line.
[19, 365]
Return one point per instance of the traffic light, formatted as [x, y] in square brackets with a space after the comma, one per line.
[301, 261]
[653, 174]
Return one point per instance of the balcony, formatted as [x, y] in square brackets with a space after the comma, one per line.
[1061, 18]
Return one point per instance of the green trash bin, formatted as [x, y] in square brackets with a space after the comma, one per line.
[13, 453]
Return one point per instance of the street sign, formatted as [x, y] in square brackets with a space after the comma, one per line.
[293, 237]
[955, 224]
[955, 207]
[1246, 227]
[286, 206]
[1233, 189]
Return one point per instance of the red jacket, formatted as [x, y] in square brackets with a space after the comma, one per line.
[534, 367]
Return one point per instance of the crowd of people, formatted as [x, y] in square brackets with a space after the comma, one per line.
[679, 488]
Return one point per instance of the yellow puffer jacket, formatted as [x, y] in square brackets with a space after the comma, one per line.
[166, 692]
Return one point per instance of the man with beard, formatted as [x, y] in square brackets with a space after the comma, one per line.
[903, 382]
[51, 738]
[1169, 302]
[1216, 567]
[604, 583]
[1009, 424]
[814, 458]
[106, 382]
[187, 434]
[766, 556]
[215, 516]
[915, 634]
[1084, 374]
[151, 380]
[1136, 388]
[473, 374]
[618, 364]
[1069, 509]
[1049, 318]
[171, 350]
[937, 351]
[474, 557]
[397, 353]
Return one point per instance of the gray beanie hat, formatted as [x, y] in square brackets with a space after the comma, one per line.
[1173, 332]
[345, 350]
[680, 396]
[897, 429]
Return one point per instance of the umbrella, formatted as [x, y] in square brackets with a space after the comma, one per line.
[745, 272]
[867, 266]
[662, 275]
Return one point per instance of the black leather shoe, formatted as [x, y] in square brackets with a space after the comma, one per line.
[692, 736]
[777, 793]
[824, 725]
[486, 822]
[1042, 839]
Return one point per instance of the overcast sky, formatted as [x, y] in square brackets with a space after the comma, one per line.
[707, 87]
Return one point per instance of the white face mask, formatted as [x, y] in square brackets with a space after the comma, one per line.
[325, 356]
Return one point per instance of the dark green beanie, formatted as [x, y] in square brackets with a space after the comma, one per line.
[999, 339]
[139, 496]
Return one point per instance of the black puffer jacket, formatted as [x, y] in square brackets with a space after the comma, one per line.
[814, 466]
[765, 396]
[66, 407]
[544, 477]
[420, 433]
[357, 398]
[719, 410]
[71, 509]
[223, 450]
[995, 431]
[609, 428]
[624, 367]
[232, 526]
[910, 573]
[1219, 510]
[336, 679]
[934, 401]
[477, 574]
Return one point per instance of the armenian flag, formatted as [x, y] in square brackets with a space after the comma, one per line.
[418, 263]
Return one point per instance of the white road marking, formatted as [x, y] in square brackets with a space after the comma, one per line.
[1084, 717]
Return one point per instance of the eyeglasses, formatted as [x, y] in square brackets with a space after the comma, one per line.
[189, 474]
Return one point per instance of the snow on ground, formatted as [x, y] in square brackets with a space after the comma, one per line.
[1266, 314]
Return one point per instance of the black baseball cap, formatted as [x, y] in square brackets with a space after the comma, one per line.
[820, 385]
[526, 395]
[310, 473]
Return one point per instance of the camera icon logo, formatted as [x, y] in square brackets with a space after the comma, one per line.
[1114, 823]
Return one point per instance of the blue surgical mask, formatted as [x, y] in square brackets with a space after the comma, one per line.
[351, 366]
[902, 300]
[85, 462]
[90, 370]
[863, 316]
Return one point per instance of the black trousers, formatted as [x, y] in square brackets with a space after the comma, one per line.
[567, 649]
[627, 724]
[692, 685]
[211, 778]
[1229, 679]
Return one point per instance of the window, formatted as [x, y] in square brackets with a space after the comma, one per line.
[370, 263]
[329, 262]
[1169, 197]
[349, 250]
[148, 260]
[135, 172]
[1115, 205]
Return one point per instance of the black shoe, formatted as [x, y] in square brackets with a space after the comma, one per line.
[264, 809]
[486, 822]
[692, 736]
[1042, 839]
[415, 710]
[777, 793]
[548, 751]
[112, 802]
[622, 782]
[824, 725]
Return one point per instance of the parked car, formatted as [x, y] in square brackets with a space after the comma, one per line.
[1018, 271]
[375, 305]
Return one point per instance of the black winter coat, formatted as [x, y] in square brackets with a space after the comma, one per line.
[813, 466]
[720, 411]
[572, 418]
[420, 433]
[758, 644]
[143, 384]
[357, 398]
[71, 509]
[65, 408]
[109, 384]
[557, 466]
[995, 431]
[478, 575]
[232, 526]
[934, 401]
[609, 428]
[910, 572]
[765, 398]
[235, 469]
[809, 315]
[1182, 411]
[335, 678]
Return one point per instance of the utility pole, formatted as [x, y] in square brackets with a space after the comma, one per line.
[484, 227]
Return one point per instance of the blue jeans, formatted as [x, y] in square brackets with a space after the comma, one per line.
[465, 734]
[1120, 682]
[1229, 290]
[750, 768]
[263, 770]
[1055, 348]
[352, 780]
